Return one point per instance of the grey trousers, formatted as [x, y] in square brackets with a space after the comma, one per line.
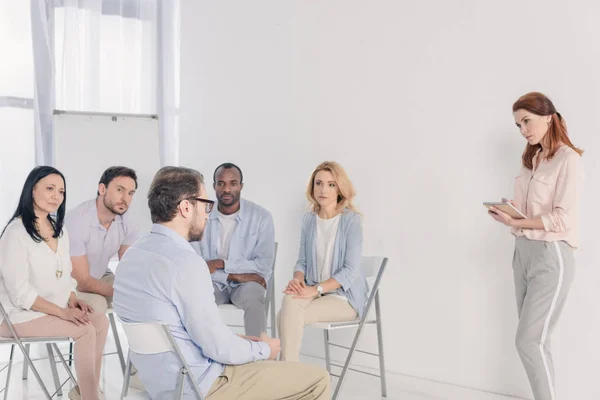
[543, 273]
[250, 297]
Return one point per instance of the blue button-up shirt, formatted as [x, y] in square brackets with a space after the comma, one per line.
[159, 280]
[252, 244]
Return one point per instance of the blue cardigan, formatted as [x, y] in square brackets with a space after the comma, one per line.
[347, 253]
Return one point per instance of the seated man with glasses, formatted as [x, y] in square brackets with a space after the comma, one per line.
[162, 279]
[239, 249]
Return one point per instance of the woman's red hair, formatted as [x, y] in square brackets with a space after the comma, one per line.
[557, 135]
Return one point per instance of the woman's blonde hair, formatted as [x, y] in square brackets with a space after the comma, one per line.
[345, 188]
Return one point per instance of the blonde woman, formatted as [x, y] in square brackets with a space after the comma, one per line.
[328, 283]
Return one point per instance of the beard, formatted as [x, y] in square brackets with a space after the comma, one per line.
[231, 201]
[111, 207]
[195, 233]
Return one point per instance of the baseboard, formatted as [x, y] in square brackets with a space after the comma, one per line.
[437, 382]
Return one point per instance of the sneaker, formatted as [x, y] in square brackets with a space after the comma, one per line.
[75, 395]
[136, 383]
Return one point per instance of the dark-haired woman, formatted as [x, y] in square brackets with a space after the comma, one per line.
[547, 191]
[36, 288]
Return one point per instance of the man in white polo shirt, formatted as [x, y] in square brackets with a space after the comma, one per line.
[99, 229]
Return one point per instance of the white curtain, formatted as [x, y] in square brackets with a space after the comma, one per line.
[117, 56]
[17, 150]
[43, 99]
[120, 56]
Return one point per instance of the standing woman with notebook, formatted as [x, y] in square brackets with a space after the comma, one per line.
[547, 191]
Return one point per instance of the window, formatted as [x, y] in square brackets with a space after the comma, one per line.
[17, 150]
[106, 62]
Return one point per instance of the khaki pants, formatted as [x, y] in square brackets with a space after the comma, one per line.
[295, 314]
[271, 380]
[89, 344]
[98, 302]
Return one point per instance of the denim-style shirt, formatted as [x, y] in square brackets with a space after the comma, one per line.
[252, 244]
[158, 280]
[347, 254]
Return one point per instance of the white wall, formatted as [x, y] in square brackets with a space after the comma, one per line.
[414, 99]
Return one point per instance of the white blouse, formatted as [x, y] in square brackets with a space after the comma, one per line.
[326, 234]
[327, 230]
[29, 269]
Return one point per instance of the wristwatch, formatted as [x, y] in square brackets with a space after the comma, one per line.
[320, 290]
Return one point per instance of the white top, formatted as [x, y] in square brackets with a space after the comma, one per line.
[28, 270]
[326, 233]
[228, 224]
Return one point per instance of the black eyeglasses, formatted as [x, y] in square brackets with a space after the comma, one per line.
[208, 204]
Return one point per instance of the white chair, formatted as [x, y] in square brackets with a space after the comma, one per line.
[154, 338]
[23, 344]
[112, 265]
[269, 303]
[113, 327]
[374, 267]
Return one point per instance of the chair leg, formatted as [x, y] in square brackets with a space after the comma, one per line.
[10, 362]
[70, 354]
[380, 345]
[273, 315]
[25, 351]
[52, 361]
[25, 366]
[64, 363]
[113, 326]
[327, 355]
[126, 377]
[349, 358]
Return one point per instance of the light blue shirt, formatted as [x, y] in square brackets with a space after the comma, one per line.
[347, 254]
[162, 279]
[252, 245]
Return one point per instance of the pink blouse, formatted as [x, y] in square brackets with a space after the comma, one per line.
[552, 191]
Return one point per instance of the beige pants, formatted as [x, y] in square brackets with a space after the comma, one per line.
[89, 344]
[99, 302]
[271, 380]
[102, 303]
[295, 314]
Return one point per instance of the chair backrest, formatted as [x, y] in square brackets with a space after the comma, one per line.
[373, 267]
[8, 322]
[272, 279]
[148, 337]
[271, 283]
[154, 338]
[4, 315]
